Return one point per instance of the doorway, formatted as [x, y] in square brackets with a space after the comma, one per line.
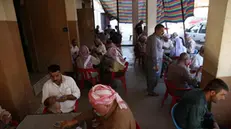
[24, 41]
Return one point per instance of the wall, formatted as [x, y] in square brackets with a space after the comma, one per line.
[134, 19]
[72, 19]
[48, 18]
[98, 9]
[151, 16]
[78, 4]
[15, 90]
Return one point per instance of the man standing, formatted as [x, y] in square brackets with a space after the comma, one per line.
[97, 29]
[117, 29]
[138, 28]
[154, 58]
[59, 92]
[192, 111]
[74, 50]
[108, 30]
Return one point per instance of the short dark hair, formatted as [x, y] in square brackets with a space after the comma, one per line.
[216, 85]
[53, 68]
[158, 26]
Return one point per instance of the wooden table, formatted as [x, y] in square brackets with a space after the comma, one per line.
[44, 121]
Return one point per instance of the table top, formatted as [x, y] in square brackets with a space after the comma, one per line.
[44, 121]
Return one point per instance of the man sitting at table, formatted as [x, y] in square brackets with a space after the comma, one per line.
[109, 111]
[197, 60]
[60, 92]
[178, 73]
[192, 111]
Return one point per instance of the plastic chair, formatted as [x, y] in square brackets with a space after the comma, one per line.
[137, 126]
[86, 74]
[45, 110]
[121, 78]
[170, 90]
[173, 119]
[14, 123]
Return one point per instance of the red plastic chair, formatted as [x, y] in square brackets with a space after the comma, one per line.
[45, 110]
[86, 75]
[137, 126]
[170, 90]
[122, 78]
[14, 123]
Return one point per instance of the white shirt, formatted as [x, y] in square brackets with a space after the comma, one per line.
[169, 45]
[197, 61]
[74, 50]
[154, 48]
[67, 87]
[102, 49]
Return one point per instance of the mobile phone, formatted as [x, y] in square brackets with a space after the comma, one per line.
[57, 124]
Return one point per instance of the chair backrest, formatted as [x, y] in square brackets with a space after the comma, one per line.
[137, 126]
[172, 88]
[173, 119]
[126, 66]
[86, 73]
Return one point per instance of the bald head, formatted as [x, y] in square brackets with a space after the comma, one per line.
[183, 56]
[184, 59]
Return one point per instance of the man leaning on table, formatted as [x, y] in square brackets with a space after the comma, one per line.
[60, 92]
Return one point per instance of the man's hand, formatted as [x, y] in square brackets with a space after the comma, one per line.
[6, 119]
[66, 124]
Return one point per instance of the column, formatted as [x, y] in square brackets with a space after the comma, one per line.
[15, 90]
[71, 11]
[135, 18]
[151, 16]
[217, 63]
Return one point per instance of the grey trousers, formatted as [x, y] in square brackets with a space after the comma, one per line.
[152, 76]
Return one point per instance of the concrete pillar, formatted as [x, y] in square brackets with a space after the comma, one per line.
[217, 63]
[71, 11]
[15, 89]
[151, 16]
[135, 18]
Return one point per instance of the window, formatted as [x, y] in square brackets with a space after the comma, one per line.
[203, 29]
[194, 29]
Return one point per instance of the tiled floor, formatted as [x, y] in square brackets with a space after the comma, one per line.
[146, 110]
